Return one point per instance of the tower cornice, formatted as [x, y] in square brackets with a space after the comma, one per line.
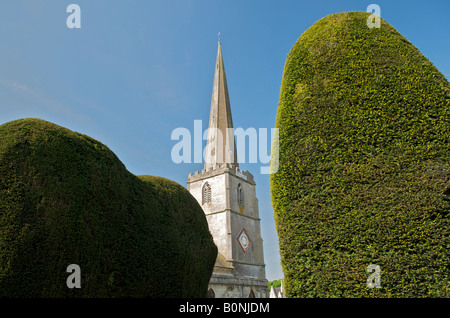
[221, 169]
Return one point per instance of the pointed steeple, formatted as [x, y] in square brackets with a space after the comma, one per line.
[220, 146]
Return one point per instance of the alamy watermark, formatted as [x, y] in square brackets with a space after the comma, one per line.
[374, 279]
[374, 20]
[73, 21]
[190, 149]
[74, 279]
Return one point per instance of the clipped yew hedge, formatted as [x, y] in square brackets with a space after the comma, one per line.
[65, 198]
[364, 164]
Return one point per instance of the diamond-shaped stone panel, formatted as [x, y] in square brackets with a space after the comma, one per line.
[244, 240]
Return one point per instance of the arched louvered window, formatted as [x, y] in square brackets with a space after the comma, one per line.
[240, 195]
[206, 193]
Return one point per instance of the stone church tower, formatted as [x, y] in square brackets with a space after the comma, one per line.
[227, 196]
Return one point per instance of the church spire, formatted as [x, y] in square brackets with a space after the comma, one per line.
[220, 146]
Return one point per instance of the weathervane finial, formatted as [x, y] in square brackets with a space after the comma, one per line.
[218, 37]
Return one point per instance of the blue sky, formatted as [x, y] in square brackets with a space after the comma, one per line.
[136, 70]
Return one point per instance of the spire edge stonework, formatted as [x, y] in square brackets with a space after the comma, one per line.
[220, 145]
